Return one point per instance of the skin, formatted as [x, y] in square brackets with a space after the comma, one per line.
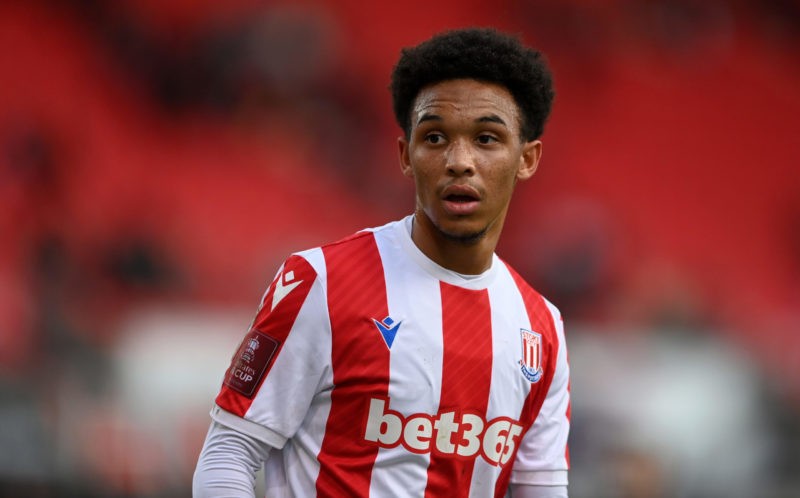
[465, 154]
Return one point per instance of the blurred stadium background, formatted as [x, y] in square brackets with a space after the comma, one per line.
[159, 159]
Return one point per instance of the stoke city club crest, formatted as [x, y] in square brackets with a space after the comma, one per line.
[531, 362]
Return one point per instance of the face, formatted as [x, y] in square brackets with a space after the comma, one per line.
[465, 155]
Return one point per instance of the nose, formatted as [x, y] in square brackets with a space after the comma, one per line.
[459, 159]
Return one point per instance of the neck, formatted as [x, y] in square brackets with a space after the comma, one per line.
[468, 256]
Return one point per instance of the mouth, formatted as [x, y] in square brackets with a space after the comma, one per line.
[460, 200]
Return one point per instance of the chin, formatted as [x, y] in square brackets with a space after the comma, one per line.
[464, 235]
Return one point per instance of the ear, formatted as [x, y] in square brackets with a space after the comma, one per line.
[403, 155]
[529, 160]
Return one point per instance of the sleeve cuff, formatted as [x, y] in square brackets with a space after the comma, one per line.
[247, 427]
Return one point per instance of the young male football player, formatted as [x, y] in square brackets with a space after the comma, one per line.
[409, 360]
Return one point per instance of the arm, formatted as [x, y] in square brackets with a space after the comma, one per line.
[284, 352]
[228, 463]
[542, 461]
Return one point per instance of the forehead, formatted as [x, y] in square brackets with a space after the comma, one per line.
[465, 99]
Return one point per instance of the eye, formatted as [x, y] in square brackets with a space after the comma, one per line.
[486, 139]
[434, 138]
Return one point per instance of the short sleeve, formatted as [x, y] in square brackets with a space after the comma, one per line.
[543, 457]
[282, 360]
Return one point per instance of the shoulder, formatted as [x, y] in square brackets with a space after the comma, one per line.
[382, 231]
[349, 248]
[363, 238]
[536, 303]
[521, 283]
[350, 241]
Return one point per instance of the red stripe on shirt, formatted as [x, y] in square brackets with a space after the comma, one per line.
[276, 323]
[466, 379]
[541, 321]
[360, 359]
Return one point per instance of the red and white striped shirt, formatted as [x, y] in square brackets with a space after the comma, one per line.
[373, 371]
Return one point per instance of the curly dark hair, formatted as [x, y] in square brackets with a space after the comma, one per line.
[482, 54]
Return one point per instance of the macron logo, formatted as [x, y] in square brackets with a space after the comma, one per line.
[283, 286]
[388, 329]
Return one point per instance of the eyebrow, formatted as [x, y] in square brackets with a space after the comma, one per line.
[428, 117]
[491, 118]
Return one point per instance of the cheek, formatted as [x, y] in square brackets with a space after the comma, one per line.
[502, 178]
[423, 181]
[423, 169]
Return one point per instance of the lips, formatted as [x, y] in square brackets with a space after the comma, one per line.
[460, 200]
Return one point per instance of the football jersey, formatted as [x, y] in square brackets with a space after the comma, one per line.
[373, 371]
